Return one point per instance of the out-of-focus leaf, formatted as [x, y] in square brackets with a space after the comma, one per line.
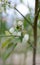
[25, 24]
[16, 40]
[9, 45]
[4, 44]
[21, 37]
[8, 51]
[2, 25]
[7, 33]
[9, 41]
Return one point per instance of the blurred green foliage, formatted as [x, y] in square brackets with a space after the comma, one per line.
[11, 43]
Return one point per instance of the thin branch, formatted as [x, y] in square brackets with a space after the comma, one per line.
[37, 15]
[24, 17]
[31, 44]
[9, 36]
[37, 10]
[35, 31]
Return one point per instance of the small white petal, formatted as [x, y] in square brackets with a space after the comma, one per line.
[25, 39]
[11, 30]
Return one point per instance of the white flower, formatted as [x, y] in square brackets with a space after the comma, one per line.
[25, 39]
[11, 30]
[17, 33]
[20, 23]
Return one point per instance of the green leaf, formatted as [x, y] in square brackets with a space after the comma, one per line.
[8, 51]
[6, 54]
[16, 40]
[4, 44]
[25, 25]
[21, 37]
[9, 45]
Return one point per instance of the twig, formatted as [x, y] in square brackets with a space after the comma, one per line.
[24, 17]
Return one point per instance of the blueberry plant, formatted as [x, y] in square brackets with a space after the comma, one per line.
[21, 31]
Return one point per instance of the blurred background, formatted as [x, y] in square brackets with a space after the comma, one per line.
[16, 33]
